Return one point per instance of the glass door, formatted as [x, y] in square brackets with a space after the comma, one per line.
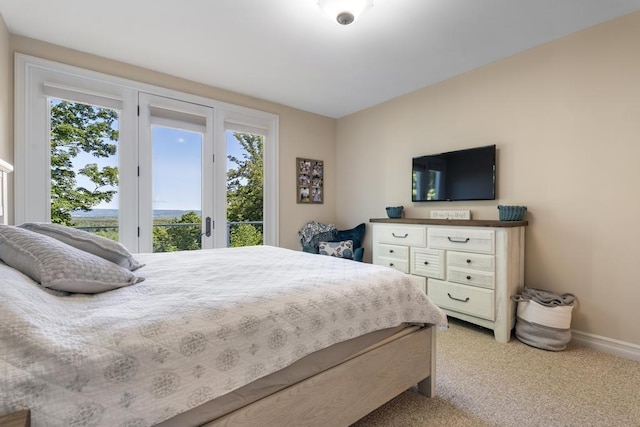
[175, 176]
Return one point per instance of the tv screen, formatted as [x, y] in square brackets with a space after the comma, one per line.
[457, 175]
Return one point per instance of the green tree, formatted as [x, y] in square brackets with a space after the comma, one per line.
[161, 240]
[245, 199]
[245, 235]
[178, 238]
[79, 128]
[186, 237]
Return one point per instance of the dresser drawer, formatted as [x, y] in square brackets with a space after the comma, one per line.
[483, 279]
[472, 261]
[393, 251]
[427, 262]
[398, 264]
[402, 235]
[461, 239]
[463, 299]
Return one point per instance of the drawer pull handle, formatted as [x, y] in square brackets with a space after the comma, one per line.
[468, 277]
[400, 237]
[390, 264]
[426, 263]
[454, 240]
[458, 299]
[390, 251]
[468, 261]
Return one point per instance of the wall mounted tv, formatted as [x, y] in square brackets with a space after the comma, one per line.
[457, 175]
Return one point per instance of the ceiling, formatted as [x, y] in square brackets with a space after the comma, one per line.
[287, 52]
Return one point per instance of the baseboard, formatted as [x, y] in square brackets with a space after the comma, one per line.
[606, 345]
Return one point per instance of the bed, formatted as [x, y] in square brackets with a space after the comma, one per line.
[240, 336]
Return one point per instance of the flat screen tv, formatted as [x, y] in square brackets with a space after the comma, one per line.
[457, 175]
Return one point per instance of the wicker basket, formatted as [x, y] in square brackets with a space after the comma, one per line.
[511, 213]
[395, 211]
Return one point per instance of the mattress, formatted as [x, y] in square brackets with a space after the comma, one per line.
[202, 325]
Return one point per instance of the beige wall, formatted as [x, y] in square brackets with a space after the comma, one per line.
[302, 134]
[6, 104]
[566, 120]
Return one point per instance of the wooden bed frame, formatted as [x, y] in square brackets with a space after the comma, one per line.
[349, 391]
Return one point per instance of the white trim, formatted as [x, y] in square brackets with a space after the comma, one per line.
[606, 345]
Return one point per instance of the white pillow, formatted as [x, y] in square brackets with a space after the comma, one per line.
[343, 249]
[101, 246]
[58, 266]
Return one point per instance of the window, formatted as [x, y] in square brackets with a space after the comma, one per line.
[134, 173]
[84, 166]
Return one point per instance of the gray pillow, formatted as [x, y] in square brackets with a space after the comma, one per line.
[59, 266]
[101, 246]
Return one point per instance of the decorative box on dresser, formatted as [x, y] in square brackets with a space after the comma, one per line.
[469, 268]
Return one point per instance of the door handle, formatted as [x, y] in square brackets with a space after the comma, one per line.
[207, 227]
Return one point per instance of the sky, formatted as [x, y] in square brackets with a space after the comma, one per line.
[176, 168]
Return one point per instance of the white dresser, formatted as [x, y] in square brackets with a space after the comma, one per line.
[470, 269]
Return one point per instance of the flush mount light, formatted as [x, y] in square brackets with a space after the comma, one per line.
[344, 12]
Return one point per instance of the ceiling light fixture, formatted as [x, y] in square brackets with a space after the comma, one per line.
[344, 12]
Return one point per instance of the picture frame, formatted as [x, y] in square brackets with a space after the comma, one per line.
[309, 181]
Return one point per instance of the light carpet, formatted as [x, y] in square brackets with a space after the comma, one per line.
[481, 382]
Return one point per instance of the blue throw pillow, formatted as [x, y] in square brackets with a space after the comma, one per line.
[358, 254]
[356, 234]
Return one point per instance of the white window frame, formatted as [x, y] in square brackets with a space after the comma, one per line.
[32, 152]
[240, 121]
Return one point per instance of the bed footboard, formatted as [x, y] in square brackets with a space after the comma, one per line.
[349, 391]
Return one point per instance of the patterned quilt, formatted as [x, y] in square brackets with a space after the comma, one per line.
[202, 324]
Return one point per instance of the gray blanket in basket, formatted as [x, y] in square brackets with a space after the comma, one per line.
[546, 298]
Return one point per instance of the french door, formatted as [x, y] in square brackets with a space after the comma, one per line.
[176, 175]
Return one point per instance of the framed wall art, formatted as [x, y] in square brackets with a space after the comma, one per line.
[309, 181]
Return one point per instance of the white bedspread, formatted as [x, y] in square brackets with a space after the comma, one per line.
[202, 324]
